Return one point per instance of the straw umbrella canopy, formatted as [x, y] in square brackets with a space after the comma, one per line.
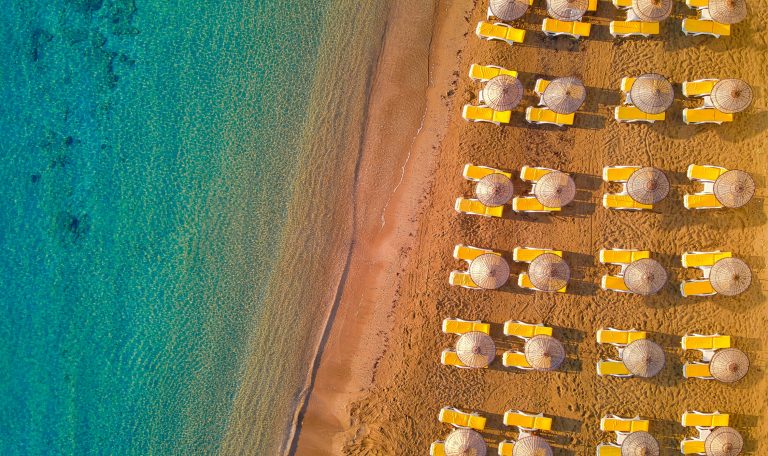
[544, 353]
[648, 185]
[503, 93]
[734, 188]
[494, 190]
[465, 442]
[567, 10]
[723, 441]
[729, 365]
[475, 349]
[645, 277]
[731, 95]
[508, 10]
[565, 95]
[549, 272]
[643, 358]
[555, 189]
[533, 445]
[728, 11]
[489, 271]
[730, 276]
[652, 93]
[640, 444]
[652, 10]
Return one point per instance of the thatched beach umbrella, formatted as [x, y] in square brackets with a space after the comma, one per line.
[548, 272]
[532, 445]
[648, 185]
[567, 10]
[494, 190]
[489, 271]
[555, 189]
[544, 353]
[643, 358]
[640, 444]
[728, 11]
[652, 93]
[503, 93]
[724, 441]
[508, 10]
[729, 365]
[730, 276]
[734, 188]
[731, 95]
[475, 349]
[465, 442]
[645, 277]
[652, 10]
[565, 95]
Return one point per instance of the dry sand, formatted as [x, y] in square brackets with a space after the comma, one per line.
[380, 384]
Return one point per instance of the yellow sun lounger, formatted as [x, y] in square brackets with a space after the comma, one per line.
[613, 368]
[469, 253]
[619, 337]
[484, 73]
[702, 259]
[475, 173]
[699, 87]
[613, 423]
[515, 359]
[697, 370]
[614, 283]
[524, 281]
[540, 87]
[696, 27]
[449, 357]
[506, 448]
[472, 113]
[527, 421]
[626, 84]
[701, 201]
[592, 5]
[462, 279]
[624, 29]
[475, 207]
[618, 173]
[499, 31]
[707, 173]
[547, 116]
[697, 4]
[528, 254]
[622, 3]
[696, 288]
[459, 419]
[622, 201]
[704, 420]
[459, 326]
[705, 342]
[554, 27]
[631, 114]
[608, 449]
[622, 256]
[705, 115]
[437, 448]
[533, 173]
[692, 446]
[531, 204]
[525, 330]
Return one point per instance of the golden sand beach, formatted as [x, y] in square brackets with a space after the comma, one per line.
[380, 384]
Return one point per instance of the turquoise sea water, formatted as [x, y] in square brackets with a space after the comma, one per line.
[147, 154]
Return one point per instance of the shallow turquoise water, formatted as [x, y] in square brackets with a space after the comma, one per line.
[147, 153]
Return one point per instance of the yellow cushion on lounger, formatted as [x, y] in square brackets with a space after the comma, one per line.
[614, 283]
[524, 281]
[532, 173]
[437, 449]
[693, 370]
[541, 86]
[705, 115]
[706, 342]
[609, 424]
[450, 415]
[608, 450]
[514, 328]
[706, 420]
[623, 201]
[692, 446]
[461, 279]
[527, 254]
[622, 28]
[701, 201]
[483, 113]
[530, 204]
[455, 326]
[469, 253]
[705, 172]
[473, 206]
[622, 3]
[698, 26]
[488, 72]
[610, 336]
[527, 421]
[473, 172]
[611, 368]
[573, 28]
[698, 88]
[506, 448]
[633, 114]
[545, 115]
[514, 359]
[703, 260]
[697, 288]
[610, 256]
[502, 32]
[626, 84]
[697, 3]
[618, 173]
[450, 358]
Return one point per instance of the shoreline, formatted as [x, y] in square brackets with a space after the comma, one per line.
[384, 229]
